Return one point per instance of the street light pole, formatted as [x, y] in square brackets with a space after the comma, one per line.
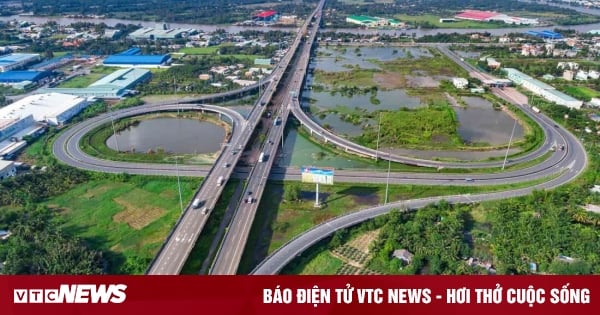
[378, 134]
[177, 156]
[509, 142]
[112, 120]
[387, 184]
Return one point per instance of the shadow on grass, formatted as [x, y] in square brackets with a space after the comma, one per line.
[113, 262]
[361, 194]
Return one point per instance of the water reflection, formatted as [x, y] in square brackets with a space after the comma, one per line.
[173, 135]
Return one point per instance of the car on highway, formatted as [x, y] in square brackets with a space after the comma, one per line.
[468, 179]
[249, 200]
[249, 193]
[226, 165]
[205, 210]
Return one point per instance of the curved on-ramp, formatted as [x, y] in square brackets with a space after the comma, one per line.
[575, 165]
[66, 147]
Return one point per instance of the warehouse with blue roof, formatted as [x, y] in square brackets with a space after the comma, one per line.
[545, 34]
[20, 76]
[132, 59]
[16, 61]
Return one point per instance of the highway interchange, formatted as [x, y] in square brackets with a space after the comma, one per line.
[230, 253]
[560, 168]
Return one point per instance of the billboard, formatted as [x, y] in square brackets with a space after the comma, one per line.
[317, 175]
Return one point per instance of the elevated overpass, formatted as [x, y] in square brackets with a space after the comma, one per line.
[230, 253]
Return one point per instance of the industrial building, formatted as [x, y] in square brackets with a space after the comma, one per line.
[487, 16]
[53, 63]
[150, 33]
[542, 89]
[16, 61]
[29, 116]
[545, 34]
[17, 76]
[266, 16]
[132, 59]
[372, 21]
[51, 108]
[7, 169]
[115, 85]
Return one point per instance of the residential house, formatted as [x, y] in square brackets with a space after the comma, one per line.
[460, 83]
[404, 255]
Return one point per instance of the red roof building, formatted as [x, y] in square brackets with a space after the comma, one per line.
[266, 14]
[476, 15]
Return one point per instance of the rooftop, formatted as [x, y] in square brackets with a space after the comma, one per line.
[363, 18]
[4, 164]
[121, 78]
[40, 105]
[12, 58]
[476, 15]
[265, 14]
[17, 76]
[137, 59]
[149, 32]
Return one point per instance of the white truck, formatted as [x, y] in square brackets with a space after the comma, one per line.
[535, 109]
[220, 181]
[261, 158]
[196, 203]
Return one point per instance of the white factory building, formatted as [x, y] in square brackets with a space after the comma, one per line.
[51, 108]
[28, 116]
[7, 169]
[542, 89]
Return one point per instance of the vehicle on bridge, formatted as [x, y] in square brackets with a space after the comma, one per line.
[277, 121]
[261, 158]
[196, 203]
[220, 181]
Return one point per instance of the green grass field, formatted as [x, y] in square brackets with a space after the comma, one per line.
[199, 50]
[277, 221]
[435, 21]
[96, 73]
[321, 264]
[581, 92]
[130, 219]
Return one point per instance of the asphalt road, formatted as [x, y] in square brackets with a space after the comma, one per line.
[230, 254]
[576, 159]
[66, 147]
[173, 254]
[319, 131]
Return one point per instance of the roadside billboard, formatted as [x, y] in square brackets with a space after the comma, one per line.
[317, 175]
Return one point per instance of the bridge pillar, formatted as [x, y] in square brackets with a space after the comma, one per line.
[310, 132]
[346, 149]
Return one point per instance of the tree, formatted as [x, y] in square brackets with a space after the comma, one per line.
[292, 192]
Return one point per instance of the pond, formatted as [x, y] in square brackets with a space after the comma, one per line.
[480, 123]
[388, 100]
[345, 58]
[173, 135]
